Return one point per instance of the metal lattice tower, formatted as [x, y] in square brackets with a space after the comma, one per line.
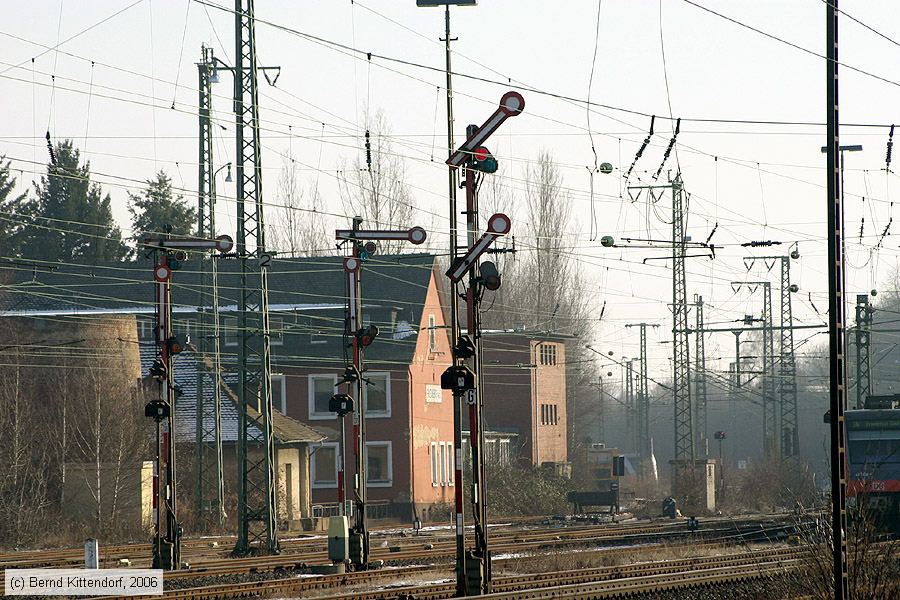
[641, 401]
[770, 415]
[787, 372]
[210, 482]
[629, 404]
[862, 337]
[681, 357]
[256, 450]
[700, 378]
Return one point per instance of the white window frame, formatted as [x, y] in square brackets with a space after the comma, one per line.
[379, 414]
[316, 334]
[390, 464]
[337, 463]
[443, 461]
[279, 339]
[450, 458]
[282, 401]
[230, 324]
[311, 396]
[432, 334]
[435, 480]
[146, 329]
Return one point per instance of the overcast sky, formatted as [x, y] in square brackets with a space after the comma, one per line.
[115, 86]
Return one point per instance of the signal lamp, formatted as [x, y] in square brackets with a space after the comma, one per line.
[368, 250]
[483, 160]
[367, 335]
[489, 275]
[175, 258]
[158, 369]
[174, 345]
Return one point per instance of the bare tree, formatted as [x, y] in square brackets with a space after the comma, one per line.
[376, 190]
[299, 226]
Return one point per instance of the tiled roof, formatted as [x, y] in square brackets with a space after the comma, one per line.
[310, 292]
[285, 429]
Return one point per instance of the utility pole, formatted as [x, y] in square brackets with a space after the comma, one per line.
[684, 421]
[642, 401]
[683, 476]
[836, 325]
[256, 514]
[770, 415]
[360, 338]
[862, 337]
[700, 378]
[210, 492]
[169, 254]
[601, 411]
[787, 366]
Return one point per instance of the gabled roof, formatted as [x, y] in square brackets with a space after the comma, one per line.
[285, 429]
[313, 288]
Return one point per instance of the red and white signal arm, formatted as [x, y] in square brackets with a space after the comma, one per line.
[352, 264]
[511, 104]
[499, 224]
[414, 235]
[162, 273]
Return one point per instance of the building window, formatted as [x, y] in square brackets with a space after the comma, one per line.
[276, 331]
[443, 463]
[279, 393]
[432, 334]
[324, 466]
[145, 330]
[182, 329]
[230, 327]
[503, 452]
[548, 354]
[449, 463]
[435, 469]
[321, 389]
[378, 394]
[316, 330]
[378, 463]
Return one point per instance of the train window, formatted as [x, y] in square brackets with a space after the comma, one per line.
[874, 451]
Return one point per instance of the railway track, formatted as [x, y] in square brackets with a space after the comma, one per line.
[606, 581]
[386, 545]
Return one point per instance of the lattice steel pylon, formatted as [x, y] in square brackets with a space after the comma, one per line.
[210, 506]
[641, 402]
[787, 371]
[681, 354]
[256, 449]
[770, 415]
[630, 420]
[862, 337]
[700, 378]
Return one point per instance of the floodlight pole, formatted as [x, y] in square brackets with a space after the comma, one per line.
[837, 366]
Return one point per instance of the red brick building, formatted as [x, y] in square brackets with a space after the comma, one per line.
[525, 395]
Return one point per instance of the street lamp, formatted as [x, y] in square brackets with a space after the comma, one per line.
[228, 178]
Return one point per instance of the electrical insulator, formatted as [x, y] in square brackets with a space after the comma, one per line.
[368, 151]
